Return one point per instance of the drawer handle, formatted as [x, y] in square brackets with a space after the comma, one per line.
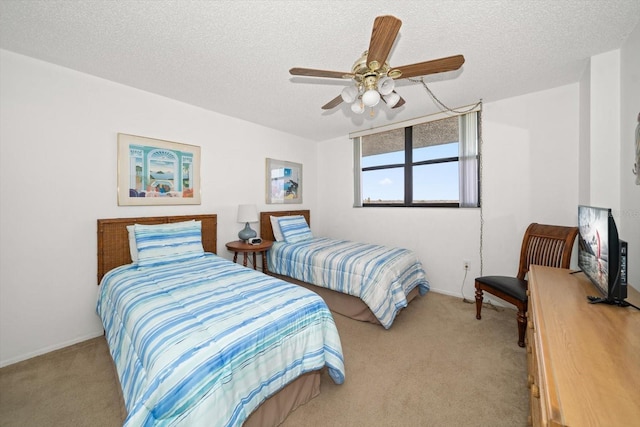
[535, 391]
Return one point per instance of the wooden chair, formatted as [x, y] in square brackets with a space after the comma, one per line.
[548, 245]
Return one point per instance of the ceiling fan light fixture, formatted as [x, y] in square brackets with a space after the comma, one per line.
[386, 86]
[357, 107]
[371, 98]
[372, 75]
[349, 94]
[391, 99]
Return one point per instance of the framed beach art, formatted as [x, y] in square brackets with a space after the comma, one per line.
[156, 172]
[283, 182]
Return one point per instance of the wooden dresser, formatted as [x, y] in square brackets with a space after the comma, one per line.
[583, 359]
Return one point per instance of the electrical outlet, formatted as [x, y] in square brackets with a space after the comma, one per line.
[465, 264]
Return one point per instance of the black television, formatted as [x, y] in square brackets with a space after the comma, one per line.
[602, 256]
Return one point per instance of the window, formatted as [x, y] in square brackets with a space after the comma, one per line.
[428, 163]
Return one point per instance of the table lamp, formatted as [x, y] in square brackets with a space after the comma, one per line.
[247, 214]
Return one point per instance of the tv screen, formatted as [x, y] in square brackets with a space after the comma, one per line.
[593, 245]
[601, 254]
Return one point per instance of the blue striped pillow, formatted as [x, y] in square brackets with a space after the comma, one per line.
[164, 243]
[295, 229]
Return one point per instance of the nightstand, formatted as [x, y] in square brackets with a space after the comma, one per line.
[246, 248]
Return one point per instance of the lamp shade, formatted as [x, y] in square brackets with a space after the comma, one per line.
[349, 94]
[371, 98]
[247, 213]
[391, 99]
[357, 107]
[386, 86]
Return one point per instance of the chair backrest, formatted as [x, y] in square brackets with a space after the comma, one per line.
[548, 245]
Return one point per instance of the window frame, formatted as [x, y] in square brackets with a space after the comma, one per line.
[409, 166]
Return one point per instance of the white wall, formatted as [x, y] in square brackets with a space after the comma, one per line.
[584, 155]
[610, 90]
[605, 131]
[530, 174]
[530, 170]
[58, 131]
[629, 223]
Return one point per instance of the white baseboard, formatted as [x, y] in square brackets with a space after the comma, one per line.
[49, 349]
[487, 297]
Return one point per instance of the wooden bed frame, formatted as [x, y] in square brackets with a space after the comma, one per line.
[346, 305]
[113, 251]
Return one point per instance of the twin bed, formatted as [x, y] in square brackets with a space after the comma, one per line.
[362, 281]
[199, 340]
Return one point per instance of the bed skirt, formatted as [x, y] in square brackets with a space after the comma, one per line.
[344, 304]
[274, 410]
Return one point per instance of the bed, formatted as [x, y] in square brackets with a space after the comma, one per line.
[372, 288]
[199, 340]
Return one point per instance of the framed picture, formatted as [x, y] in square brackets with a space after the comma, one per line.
[283, 182]
[156, 172]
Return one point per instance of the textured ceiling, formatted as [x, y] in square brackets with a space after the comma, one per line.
[233, 57]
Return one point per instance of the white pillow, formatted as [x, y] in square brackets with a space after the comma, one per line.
[275, 226]
[133, 249]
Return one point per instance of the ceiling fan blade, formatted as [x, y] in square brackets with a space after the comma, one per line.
[431, 67]
[385, 31]
[333, 103]
[310, 72]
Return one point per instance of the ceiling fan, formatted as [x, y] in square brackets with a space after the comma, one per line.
[371, 73]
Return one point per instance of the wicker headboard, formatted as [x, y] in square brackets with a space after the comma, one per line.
[113, 238]
[266, 233]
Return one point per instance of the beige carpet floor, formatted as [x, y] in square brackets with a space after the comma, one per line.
[436, 366]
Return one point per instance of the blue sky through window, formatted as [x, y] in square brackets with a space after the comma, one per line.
[436, 182]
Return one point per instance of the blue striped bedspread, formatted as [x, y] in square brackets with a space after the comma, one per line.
[380, 276]
[203, 342]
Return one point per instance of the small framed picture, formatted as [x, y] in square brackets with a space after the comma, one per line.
[283, 182]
